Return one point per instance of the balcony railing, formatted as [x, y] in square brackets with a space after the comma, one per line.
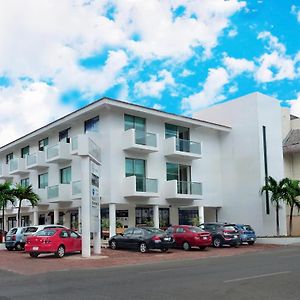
[188, 146]
[136, 187]
[59, 153]
[4, 174]
[189, 188]
[17, 166]
[146, 185]
[36, 160]
[76, 187]
[94, 150]
[53, 191]
[145, 138]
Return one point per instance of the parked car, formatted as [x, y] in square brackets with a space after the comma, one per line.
[53, 240]
[187, 236]
[143, 239]
[15, 239]
[247, 234]
[222, 234]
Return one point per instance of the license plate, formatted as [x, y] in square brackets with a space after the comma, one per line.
[205, 237]
[167, 239]
[8, 238]
[35, 248]
[252, 239]
[235, 236]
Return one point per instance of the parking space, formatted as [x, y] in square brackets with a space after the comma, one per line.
[21, 263]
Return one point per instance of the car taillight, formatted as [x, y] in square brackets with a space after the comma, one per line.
[13, 237]
[47, 241]
[156, 239]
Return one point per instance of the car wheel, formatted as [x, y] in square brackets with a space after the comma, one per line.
[60, 253]
[237, 245]
[251, 243]
[217, 243]
[18, 247]
[10, 249]
[33, 254]
[186, 246]
[202, 248]
[143, 247]
[113, 245]
[164, 249]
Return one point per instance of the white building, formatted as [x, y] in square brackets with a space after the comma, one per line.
[155, 166]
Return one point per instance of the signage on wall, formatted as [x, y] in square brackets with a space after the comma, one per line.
[94, 197]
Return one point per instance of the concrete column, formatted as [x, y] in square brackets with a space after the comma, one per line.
[131, 216]
[112, 219]
[174, 217]
[79, 219]
[35, 217]
[85, 207]
[156, 216]
[201, 214]
[56, 216]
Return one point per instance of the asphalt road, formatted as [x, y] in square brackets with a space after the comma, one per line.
[273, 274]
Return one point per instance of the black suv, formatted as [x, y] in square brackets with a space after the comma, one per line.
[222, 234]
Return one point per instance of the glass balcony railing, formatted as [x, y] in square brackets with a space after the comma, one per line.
[189, 188]
[94, 150]
[146, 185]
[74, 143]
[145, 138]
[76, 187]
[13, 164]
[53, 151]
[31, 159]
[188, 146]
[53, 191]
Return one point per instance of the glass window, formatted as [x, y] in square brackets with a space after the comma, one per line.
[134, 122]
[43, 181]
[74, 235]
[135, 167]
[43, 143]
[170, 130]
[64, 234]
[46, 232]
[9, 157]
[64, 135]
[24, 151]
[91, 125]
[138, 231]
[180, 230]
[172, 171]
[65, 175]
[128, 231]
[24, 182]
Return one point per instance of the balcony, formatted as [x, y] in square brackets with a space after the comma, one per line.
[4, 172]
[140, 141]
[140, 187]
[36, 161]
[59, 153]
[83, 145]
[76, 189]
[42, 193]
[183, 190]
[182, 149]
[60, 193]
[16, 166]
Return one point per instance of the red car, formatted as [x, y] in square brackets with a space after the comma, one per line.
[187, 236]
[55, 240]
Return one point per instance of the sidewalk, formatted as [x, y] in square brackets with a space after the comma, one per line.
[2, 246]
[279, 240]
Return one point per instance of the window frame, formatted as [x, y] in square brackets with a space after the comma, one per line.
[93, 123]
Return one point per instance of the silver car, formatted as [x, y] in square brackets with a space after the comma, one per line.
[15, 239]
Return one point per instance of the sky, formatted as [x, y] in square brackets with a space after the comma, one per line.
[178, 56]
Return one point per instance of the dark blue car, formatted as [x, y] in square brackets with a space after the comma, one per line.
[247, 234]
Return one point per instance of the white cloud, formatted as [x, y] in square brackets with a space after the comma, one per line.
[295, 106]
[275, 65]
[158, 106]
[211, 92]
[232, 33]
[237, 66]
[233, 89]
[296, 11]
[25, 108]
[186, 73]
[155, 86]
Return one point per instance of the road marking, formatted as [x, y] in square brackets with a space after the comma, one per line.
[257, 276]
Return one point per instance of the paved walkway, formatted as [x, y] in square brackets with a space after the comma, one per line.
[21, 263]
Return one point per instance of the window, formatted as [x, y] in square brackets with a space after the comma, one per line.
[177, 131]
[64, 234]
[65, 175]
[43, 143]
[172, 171]
[91, 125]
[134, 122]
[180, 230]
[138, 232]
[128, 231]
[43, 181]
[24, 151]
[135, 167]
[64, 135]
[25, 182]
[143, 215]
[74, 235]
[9, 157]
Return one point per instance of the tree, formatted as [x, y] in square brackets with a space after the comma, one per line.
[6, 195]
[278, 194]
[292, 191]
[25, 193]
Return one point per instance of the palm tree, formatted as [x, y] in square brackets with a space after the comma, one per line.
[292, 191]
[25, 193]
[278, 194]
[6, 195]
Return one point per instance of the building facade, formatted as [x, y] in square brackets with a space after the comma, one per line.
[156, 168]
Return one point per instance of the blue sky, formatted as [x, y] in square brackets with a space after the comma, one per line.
[175, 55]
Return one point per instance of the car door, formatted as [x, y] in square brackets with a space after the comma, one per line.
[124, 240]
[65, 240]
[75, 241]
[137, 237]
[179, 235]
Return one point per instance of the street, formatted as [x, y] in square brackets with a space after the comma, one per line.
[272, 274]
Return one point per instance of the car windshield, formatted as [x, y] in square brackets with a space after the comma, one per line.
[45, 232]
[154, 230]
[195, 229]
[13, 231]
[31, 229]
[247, 228]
